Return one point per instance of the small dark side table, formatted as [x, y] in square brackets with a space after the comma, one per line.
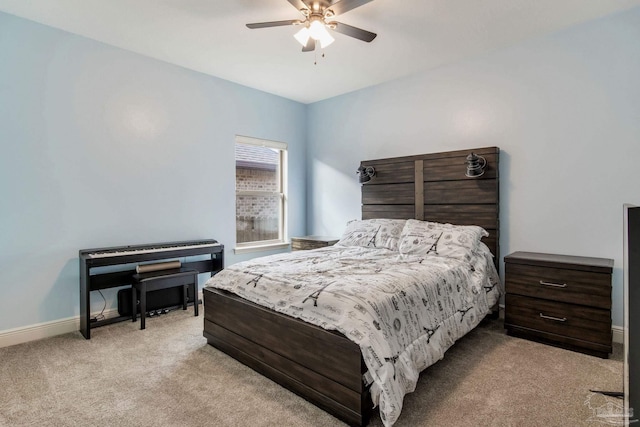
[312, 242]
[163, 279]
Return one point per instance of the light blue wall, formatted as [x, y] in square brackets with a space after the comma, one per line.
[101, 147]
[564, 109]
[104, 147]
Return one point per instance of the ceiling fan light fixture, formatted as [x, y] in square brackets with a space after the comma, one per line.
[302, 36]
[318, 32]
[326, 40]
[317, 29]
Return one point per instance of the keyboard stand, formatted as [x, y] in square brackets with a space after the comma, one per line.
[204, 256]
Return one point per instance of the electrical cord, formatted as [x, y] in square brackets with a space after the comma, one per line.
[100, 316]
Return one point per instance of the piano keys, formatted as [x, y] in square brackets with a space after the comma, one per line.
[133, 254]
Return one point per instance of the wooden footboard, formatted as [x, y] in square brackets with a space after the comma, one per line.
[322, 366]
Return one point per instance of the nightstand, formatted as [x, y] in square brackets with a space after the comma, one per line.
[561, 300]
[312, 242]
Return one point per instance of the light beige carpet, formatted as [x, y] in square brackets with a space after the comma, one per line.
[167, 375]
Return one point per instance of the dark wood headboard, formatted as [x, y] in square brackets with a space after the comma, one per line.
[434, 187]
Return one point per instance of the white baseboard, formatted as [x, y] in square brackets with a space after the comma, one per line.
[44, 330]
[618, 334]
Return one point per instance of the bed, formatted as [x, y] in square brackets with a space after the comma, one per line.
[337, 360]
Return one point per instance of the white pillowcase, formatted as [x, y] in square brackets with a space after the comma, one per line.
[373, 233]
[359, 233]
[432, 238]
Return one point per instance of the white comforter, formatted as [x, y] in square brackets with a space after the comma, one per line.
[403, 311]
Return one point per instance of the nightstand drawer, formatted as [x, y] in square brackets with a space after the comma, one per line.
[569, 320]
[573, 286]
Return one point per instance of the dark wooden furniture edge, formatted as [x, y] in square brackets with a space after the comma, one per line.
[441, 155]
[574, 344]
[317, 238]
[596, 265]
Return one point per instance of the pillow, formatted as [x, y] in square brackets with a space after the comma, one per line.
[373, 233]
[389, 233]
[359, 233]
[432, 238]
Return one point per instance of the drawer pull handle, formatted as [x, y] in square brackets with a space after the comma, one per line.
[557, 319]
[555, 285]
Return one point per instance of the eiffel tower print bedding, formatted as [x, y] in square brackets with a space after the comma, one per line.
[403, 310]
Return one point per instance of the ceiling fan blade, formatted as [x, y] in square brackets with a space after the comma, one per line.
[358, 33]
[342, 6]
[298, 4]
[311, 46]
[273, 24]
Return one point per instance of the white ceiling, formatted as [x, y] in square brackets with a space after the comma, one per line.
[210, 36]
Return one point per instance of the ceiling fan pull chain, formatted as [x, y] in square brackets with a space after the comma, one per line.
[315, 61]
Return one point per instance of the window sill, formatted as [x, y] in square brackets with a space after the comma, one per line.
[259, 248]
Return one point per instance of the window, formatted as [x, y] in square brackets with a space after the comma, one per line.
[260, 193]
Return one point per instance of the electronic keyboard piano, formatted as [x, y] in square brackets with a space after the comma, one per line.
[123, 260]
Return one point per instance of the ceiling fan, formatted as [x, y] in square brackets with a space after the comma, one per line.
[317, 18]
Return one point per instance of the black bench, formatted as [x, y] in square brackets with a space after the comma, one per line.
[162, 279]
